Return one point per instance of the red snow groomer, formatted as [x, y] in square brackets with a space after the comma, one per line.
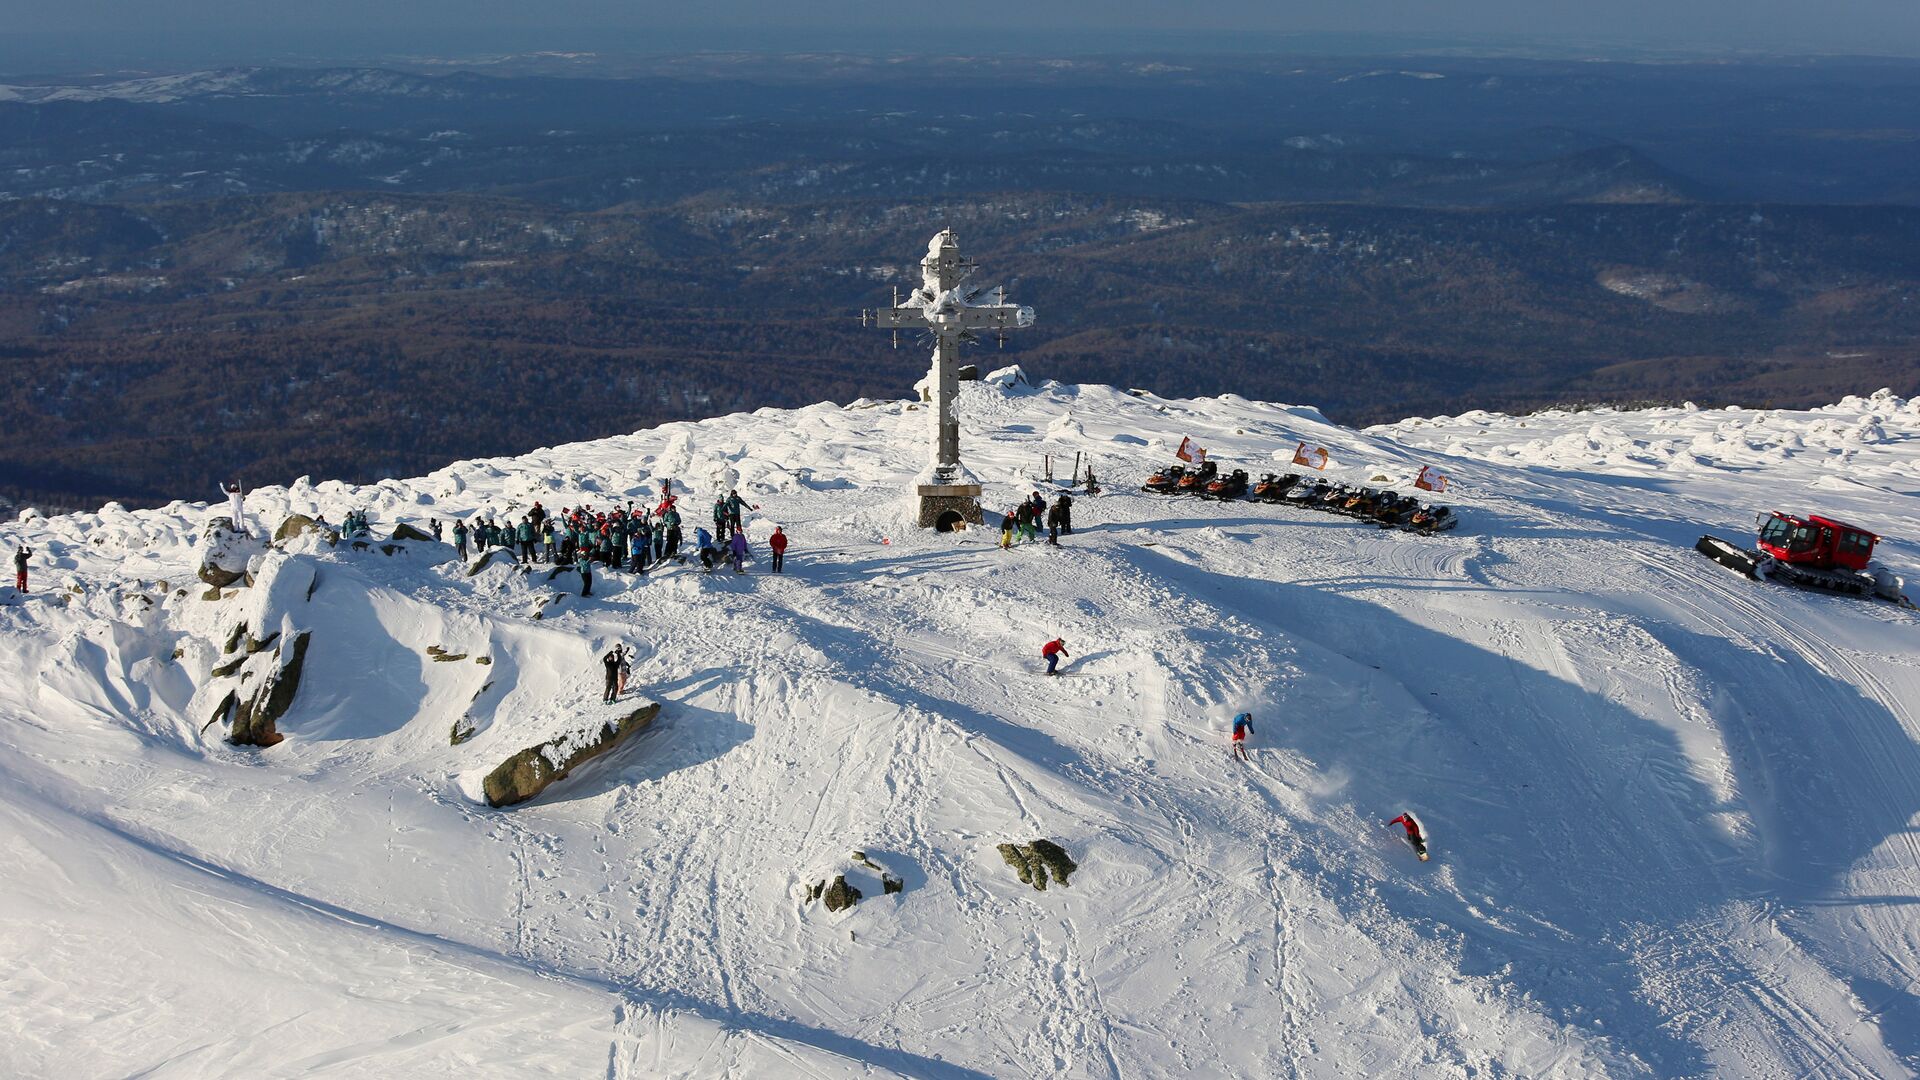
[1812, 552]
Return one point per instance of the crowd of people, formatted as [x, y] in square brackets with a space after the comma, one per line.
[1023, 522]
[633, 538]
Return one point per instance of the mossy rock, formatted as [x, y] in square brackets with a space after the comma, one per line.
[483, 659]
[211, 594]
[256, 723]
[221, 671]
[1037, 861]
[442, 656]
[219, 578]
[534, 769]
[255, 645]
[840, 896]
[294, 526]
[463, 729]
[404, 531]
[234, 639]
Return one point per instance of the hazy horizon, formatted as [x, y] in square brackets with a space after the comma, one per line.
[63, 40]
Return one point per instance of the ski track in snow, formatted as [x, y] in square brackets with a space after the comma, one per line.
[1673, 811]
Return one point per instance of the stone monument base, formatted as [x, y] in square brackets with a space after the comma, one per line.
[942, 505]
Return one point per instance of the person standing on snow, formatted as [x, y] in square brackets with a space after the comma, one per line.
[777, 543]
[1414, 834]
[736, 509]
[739, 546]
[1006, 531]
[20, 557]
[1053, 651]
[236, 505]
[1242, 727]
[720, 519]
[672, 521]
[1053, 525]
[586, 574]
[460, 538]
[612, 661]
[1064, 504]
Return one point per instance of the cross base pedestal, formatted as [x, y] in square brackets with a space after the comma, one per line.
[944, 505]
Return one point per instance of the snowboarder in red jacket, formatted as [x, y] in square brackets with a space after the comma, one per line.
[1053, 651]
[1414, 836]
[777, 543]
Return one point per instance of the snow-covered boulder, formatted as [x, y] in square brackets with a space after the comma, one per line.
[532, 770]
[1011, 377]
[225, 552]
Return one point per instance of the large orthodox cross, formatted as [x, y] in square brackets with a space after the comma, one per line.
[953, 313]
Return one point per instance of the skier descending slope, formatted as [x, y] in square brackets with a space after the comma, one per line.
[1053, 651]
[1416, 836]
[1242, 727]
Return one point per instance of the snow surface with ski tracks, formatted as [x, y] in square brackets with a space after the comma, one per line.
[1673, 811]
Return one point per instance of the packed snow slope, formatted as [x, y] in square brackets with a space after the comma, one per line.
[1673, 811]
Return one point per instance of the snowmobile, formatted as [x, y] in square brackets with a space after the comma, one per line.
[1812, 552]
[1272, 489]
[1165, 480]
[1229, 487]
[1393, 509]
[1431, 519]
[1360, 503]
[1196, 482]
[1307, 494]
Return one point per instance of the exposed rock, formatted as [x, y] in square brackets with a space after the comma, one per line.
[221, 711]
[234, 639]
[530, 771]
[301, 523]
[442, 656]
[254, 724]
[493, 555]
[404, 531]
[1033, 862]
[221, 671]
[462, 730]
[839, 896]
[225, 552]
[483, 659]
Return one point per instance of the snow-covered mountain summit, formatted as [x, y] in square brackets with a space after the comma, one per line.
[1673, 811]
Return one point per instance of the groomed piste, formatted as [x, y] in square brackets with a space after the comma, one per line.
[1671, 812]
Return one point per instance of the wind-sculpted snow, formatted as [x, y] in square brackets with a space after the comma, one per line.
[1673, 811]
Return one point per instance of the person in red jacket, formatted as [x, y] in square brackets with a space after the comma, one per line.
[1414, 835]
[1053, 651]
[777, 543]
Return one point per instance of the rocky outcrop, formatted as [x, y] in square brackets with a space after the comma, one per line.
[442, 656]
[404, 531]
[255, 722]
[463, 729]
[841, 888]
[840, 896]
[1034, 862]
[532, 770]
[494, 555]
[299, 524]
[225, 552]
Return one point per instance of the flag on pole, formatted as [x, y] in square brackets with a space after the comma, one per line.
[1428, 480]
[1189, 451]
[1315, 458]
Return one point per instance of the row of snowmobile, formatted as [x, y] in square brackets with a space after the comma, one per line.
[1388, 509]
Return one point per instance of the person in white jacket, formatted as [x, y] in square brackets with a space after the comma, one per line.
[236, 504]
